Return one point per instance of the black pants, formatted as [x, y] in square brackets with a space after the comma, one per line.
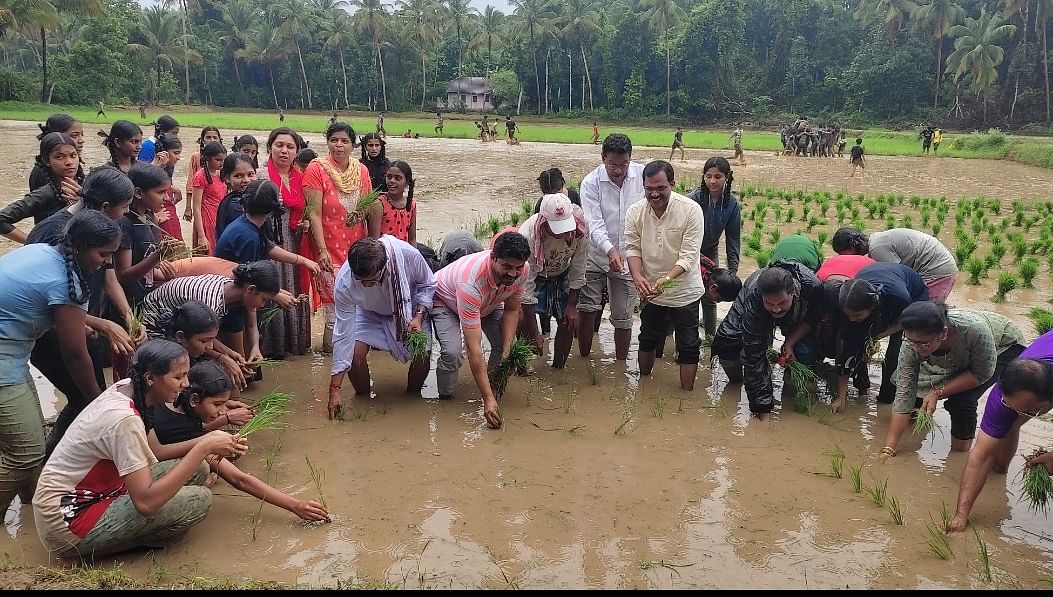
[709, 317]
[47, 357]
[887, 393]
[654, 325]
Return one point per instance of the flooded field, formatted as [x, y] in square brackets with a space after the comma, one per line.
[600, 479]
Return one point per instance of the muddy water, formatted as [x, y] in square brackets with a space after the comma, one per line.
[618, 483]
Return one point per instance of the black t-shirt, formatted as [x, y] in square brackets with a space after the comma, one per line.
[230, 209]
[575, 198]
[926, 135]
[857, 152]
[141, 235]
[678, 136]
[510, 125]
[49, 232]
[172, 427]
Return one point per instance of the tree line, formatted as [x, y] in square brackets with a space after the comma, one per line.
[965, 62]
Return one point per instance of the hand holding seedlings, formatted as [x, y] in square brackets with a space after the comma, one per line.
[644, 288]
[928, 403]
[224, 444]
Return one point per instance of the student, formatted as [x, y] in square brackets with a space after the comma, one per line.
[201, 408]
[678, 143]
[558, 240]
[42, 287]
[400, 210]
[209, 190]
[304, 157]
[39, 176]
[408, 134]
[249, 145]
[722, 216]
[195, 327]
[103, 491]
[510, 129]
[141, 237]
[374, 158]
[244, 240]
[440, 120]
[798, 249]
[58, 154]
[552, 182]
[595, 133]
[922, 252]
[237, 172]
[209, 134]
[281, 114]
[168, 218]
[123, 142]
[142, 110]
[164, 124]
[736, 140]
[952, 356]
[926, 139]
[859, 161]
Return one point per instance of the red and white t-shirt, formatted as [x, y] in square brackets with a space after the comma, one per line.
[468, 287]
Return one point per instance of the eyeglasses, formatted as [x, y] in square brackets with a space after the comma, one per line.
[1020, 412]
[927, 343]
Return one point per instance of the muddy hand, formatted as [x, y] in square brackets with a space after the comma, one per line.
[335, 403]
[492, 413]
[957, 524]
[311, 511]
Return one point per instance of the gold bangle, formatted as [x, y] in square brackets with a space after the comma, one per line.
[888, 451]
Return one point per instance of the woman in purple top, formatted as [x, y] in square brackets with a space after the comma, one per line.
[1024, 392]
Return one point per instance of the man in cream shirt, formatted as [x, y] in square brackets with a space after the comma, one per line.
[606, 194]
[663, 236]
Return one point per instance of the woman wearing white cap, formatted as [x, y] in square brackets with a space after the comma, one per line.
[558, 243]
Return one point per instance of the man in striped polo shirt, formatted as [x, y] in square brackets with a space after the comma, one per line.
[479, 294]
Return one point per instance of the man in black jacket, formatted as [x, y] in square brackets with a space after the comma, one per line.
[786, 295]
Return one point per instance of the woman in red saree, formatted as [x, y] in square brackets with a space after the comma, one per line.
[332, 187]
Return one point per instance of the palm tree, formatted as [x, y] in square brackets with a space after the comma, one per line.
[890, 13]
[296, 23]
[159, 31]
[491, 27]
[336, 31]
[977, 53]
[265, 44]
[459, 12]
[937, 17]
[371, 17]
[664, 16]
[533, 20]
[237, 18]
[419, 15]
[579, 19]
[1045, 11]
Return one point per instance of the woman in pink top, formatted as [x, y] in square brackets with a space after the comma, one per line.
[842, 267]
[332, 187]
[209, 191]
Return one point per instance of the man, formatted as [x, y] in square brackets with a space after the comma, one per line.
[1024, 392]
[440, 120]
[595, 133]
[678, 143]
[142, 110]
[663, 237]
[384, 290]
[937, 138]
[786, 295]
[606, 194]
[281, 114]
[383, 132]
[102, 108]
[926, 139]
[479, 294]
[457, 244]
[799, 249]
[484, 128]
[511, 128]
[736, 140]
[558, 242]
[332, 120]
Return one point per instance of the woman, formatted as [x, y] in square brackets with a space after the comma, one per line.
[59, 156]
[332, 187]
[374, 157]
[124, 141]
[953, 356]
[103, 491]
[720, 206]
[44, 287]
[208, 135]
[164, 124]
[57, 123]
[288, 334]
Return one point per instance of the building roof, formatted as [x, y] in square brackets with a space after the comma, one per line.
[475, 85]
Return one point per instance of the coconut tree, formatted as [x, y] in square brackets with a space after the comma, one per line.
[491, 30]
[459, 13]
[420, 19]
[371, 18]
[533, 21]
[663, 16]
[337, 34]
[936, 19]
[237, 18]
[891, 14]
[265, 44]
[159, 31]
[295, 21]
[580, 19]
[977, 53]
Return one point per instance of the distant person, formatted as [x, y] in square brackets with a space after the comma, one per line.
[859, 162]
[926, 139]
[678, 143]
[841, 142]
[595, 134]
[102, 109]
[332, 120]
[511, 127]
[937, 138]
[487, 136]
[142, 110]
[408, 134]
[281, 115]
[736, 140]
[440, 120]
[383, 132]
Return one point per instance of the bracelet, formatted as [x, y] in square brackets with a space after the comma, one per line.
[888, 451]
[228, 418]
[335, 385]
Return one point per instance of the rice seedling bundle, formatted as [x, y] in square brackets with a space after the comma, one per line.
[924, 423]
[667, 285]
[362, 207]
[273, 400]
[134, 323]
[417, 343]
[517, 362]
[1028, 271]
[1042, 319]
[266, 315]
[1007, 283]
[267, 413]
[1038, 486]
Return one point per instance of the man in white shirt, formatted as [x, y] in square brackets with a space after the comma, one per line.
[663, 237]
[606, 194]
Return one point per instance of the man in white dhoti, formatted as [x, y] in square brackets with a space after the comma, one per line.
[383, 291]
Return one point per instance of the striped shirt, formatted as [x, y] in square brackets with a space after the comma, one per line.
[468, 287]
[157, 306]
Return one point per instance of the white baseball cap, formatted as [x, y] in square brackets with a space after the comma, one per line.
[558, 211]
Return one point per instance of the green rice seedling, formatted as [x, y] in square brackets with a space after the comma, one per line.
[480, 229]
[134, 322]
[936, 227]
[774, 235]
[882, 210]
[1018, 219]
[945, 514]
[1041, 319]
[274, 400]
[915, 201]
[871, 209]
[976, 269]
[908, 221]
[936, 540]
[1020, 248]
[777, 210]
[1018, 206]
[940, 217]
[1029, 223]
[668, 285]
[763, 257]
[837, 461]
[317, 475]
[1038, 486]
[266, 315]
[527, 207]
[877, 493]
[842, 214]
[813, 222]
[803, 379]
[859, 224]
[959, 217]
[1007, 283]
[266, 417]
[890, 222]
[593, 380]
[892, 504]
[620, 429]
[513, 218]
[855, 212]
[517, 361]
[983, 555]
[790, 214]
[824, 235]
[924, 423]
[658, 411]
[416, 342]
[806, 211]
[977, 226]
[824, 206]
[1028, 271]
[493, 224]
[362, 206]
[856, 473]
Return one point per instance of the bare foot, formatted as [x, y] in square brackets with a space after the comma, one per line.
[762, 416]
[837, 405]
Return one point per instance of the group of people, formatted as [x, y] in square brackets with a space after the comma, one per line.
[100, 273]
[931, 137]
[800, 138]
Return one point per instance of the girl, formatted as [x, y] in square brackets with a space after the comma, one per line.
[253, 285]
[304, 158]
[249, 145]
[58, 154]
[208, 135]
[164, 124]
[195, 327]
[209, 190]
[42, 287]
[168, 218]
[400, 211]
[103, 491]
[290, 332]
[237, 172]
[375, 159]
[58, 123]
[720, 206]
[332, 187]
[202, 407]
[953, 356]
[123, 142]
[139, 254]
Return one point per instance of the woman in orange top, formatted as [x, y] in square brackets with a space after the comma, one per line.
[332, 187]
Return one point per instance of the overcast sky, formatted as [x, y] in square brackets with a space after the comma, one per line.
[501, 5]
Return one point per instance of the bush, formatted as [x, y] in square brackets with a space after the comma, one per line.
[18, 87]
[993, 139]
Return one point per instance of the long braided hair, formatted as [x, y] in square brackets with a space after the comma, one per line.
[156, 357]
[88, 229]
[722, 164]
[49, 143]
[121, 130]
[61, 123]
